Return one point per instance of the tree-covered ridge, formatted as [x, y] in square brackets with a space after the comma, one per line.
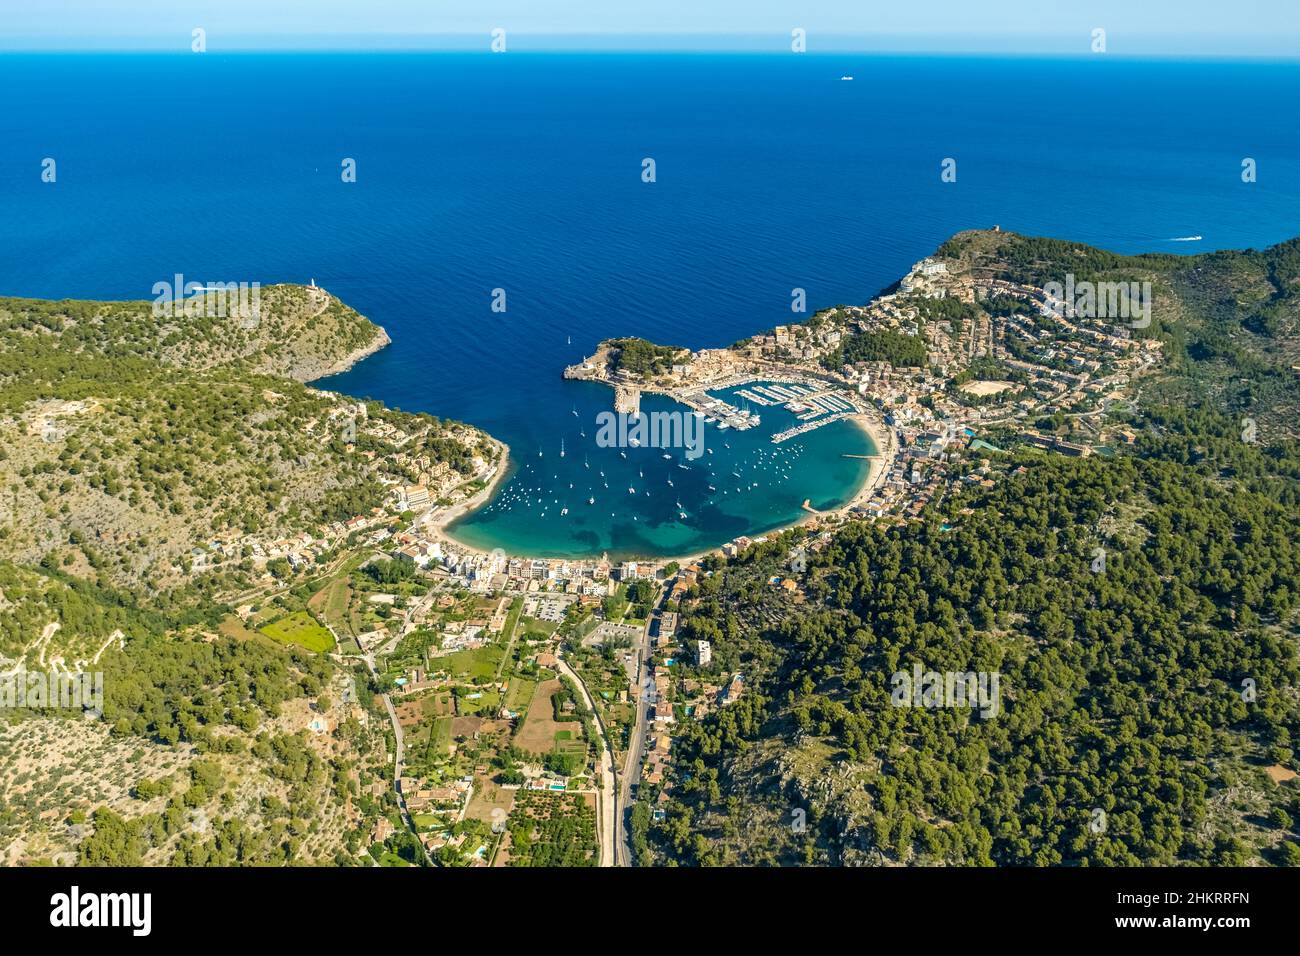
[882, 345]
[120, 453]
[1149, 695]
[639, 357]
[296, 332]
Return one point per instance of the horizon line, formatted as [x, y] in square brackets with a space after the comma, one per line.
[1127, 46]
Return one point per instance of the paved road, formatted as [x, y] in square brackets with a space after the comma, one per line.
[606, 799]
[398, 759]
[636, 745]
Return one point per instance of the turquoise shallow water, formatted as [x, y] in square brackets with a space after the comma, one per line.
[756, 485]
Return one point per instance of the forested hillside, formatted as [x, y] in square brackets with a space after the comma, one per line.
[1140, 612]
[146, 461]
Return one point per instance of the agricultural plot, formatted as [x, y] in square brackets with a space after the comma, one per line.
[330, 604]
[520, 694]
[549, 829]
[300, 628]
[539, 731]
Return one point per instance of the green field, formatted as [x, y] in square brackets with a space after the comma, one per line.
[439, 737]
[477, 664]
[331, 603]
[520, 694]
[485, 706]
[300, 628]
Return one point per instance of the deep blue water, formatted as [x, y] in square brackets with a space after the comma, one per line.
[522, 171]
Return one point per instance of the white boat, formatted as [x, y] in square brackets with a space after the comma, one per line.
[846, 78]
[668, 457]
[563, 512]
[591, 501]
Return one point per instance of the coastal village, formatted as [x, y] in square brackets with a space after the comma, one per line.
[533, 700]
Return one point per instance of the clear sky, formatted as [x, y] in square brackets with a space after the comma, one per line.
[1136, 27]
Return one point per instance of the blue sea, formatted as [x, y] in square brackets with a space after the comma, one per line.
[522, 172]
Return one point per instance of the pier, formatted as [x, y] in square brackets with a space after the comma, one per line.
[807, 427]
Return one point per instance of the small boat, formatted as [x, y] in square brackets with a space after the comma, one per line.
[682, 515]
[711, 488]
[622, 454]
[631, 490]
[670, 482]
[634, 442]
[735, 474]
[561, 447]
[591, 501]
[846, 78]
[563, 512]
[683, 466]
[668, 457]
[575, 411]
